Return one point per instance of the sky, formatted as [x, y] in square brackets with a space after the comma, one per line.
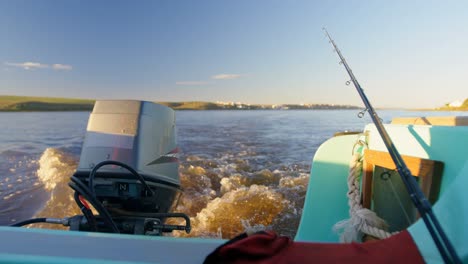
[409, 54]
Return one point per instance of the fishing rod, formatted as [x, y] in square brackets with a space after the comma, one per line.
[445, 247]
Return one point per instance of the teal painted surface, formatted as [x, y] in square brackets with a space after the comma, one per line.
[450, 145]
[443, 143]
[452, 212]
[22, 259]
[326, 202]
[109, 235]
[22, 245]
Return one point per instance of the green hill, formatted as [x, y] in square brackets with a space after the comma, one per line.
[191, 105]
[27, 103]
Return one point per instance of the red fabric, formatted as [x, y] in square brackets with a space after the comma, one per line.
[267, 247]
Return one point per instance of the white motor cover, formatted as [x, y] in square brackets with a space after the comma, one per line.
[138, 133]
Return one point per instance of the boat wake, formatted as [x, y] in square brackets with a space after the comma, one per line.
[55, 169]
[223, 196]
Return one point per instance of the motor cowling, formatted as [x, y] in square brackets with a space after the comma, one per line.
[141, 135]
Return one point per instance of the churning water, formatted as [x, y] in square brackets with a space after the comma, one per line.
[238, 168]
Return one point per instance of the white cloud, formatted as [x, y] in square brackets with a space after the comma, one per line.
[28, 65]
[63, 67]
[37, 65]
[225, 76]
[191, 83]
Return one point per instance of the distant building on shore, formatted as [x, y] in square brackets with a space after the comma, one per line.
[456, 103]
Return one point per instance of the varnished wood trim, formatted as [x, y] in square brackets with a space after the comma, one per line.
[429, 171]
[433, 121]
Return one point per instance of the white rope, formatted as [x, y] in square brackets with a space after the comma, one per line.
[362, 220]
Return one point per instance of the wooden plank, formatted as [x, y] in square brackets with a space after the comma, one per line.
[417, 166]
[429, 171]
[368, 172]
[432, 121]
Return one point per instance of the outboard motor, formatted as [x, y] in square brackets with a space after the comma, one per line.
[129, 168]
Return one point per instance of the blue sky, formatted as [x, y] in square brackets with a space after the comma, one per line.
[404, 53]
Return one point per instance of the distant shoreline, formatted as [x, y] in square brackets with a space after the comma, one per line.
[50, 104]
[44, 104]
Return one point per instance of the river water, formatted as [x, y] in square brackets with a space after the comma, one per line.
[237, 168]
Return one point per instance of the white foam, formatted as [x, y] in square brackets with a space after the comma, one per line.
[55, 167]
[257, 205]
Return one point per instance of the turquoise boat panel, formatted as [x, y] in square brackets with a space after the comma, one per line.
[448, 144]
[452, 212]
[326, 202]
[24, 245]
[25, 259]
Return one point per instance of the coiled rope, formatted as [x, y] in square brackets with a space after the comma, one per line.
[362, 221]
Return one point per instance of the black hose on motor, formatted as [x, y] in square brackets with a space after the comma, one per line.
[80, 189]
[77, 185]
[88, 193]
[30, 221]
[86, 212]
